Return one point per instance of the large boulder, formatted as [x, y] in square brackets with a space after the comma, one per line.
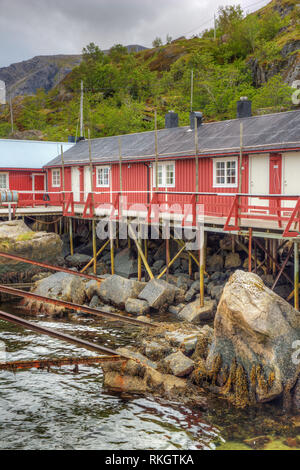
[232, 260]
[158, 293]
[193, 313]
[118, 290]
[60, 286]
[215, 263]
[254, 332]
[78, 260]
[125, 264]
[137, 306]
[178, 364]
[18, 239]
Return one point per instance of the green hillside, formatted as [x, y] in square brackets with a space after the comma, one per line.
[256, 56]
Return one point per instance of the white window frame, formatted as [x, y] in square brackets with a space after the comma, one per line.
[225, 160]
[53, 171]
[164, 166]
[98, 169]
[7, 179]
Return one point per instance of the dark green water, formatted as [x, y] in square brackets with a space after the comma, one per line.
[65, 410]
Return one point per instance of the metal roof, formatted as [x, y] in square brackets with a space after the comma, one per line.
[270, 131]
[29, 153]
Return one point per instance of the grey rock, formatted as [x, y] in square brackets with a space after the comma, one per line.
[193, 313]
[155, 350]
[178, 364]
[92, 288]
[215, 263]
[137, 355]
[78, 260]
[190, 295]
[216, 292]
[95, 302]
[233, 260]
[175, 309]
[158, 293]
[125, 264]
[137, 306]
[117, 290]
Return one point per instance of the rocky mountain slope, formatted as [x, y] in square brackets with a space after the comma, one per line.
[26, 77]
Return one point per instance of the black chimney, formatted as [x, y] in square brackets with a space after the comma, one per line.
[171, 120]
[244, 108]
[198, 116]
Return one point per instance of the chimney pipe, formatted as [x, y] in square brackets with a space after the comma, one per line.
[198, 116]
[244, 108]
[171, 120]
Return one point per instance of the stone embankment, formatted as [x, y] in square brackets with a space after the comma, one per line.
[18, 239]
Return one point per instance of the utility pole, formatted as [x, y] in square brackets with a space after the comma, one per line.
[81, 109]
[192, 88]
[11, 115]
[215, 27]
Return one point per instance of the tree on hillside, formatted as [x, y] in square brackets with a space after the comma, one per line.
[117, 52]
[274, 94]
[157, 42]
[92, 52]
[228, 16]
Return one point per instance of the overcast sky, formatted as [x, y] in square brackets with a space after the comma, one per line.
[41, 27]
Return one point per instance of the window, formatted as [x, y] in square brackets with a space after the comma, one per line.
[4, 181]
[225, 173]
[56, 178]
[166, 175]
[103, 176]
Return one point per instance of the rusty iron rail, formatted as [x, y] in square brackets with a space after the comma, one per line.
[71, 306]
[58, 335]
[56, 362]
[49, 266]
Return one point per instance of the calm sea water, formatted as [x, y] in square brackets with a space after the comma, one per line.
[66, 410]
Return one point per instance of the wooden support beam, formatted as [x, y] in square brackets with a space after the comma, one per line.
[97, 254]
[140, 251]
[296, 276]
[272, 259]
[171, 262]
[250, 251]
[94, 245]
[202, 270]
[112, 256]
[71, 236]
[282, 267]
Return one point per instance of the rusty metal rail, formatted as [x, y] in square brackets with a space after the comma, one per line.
[58, 335]
[49, 266]
[71, 306]
[47, 363]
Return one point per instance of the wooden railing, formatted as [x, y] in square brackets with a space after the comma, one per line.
[283, 211]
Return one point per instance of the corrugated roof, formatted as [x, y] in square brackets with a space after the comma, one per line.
[29, 153]
[276, 131]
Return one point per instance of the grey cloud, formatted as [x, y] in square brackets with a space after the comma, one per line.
[39, 27]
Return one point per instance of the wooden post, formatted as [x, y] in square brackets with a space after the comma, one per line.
[296, 275]
[190, 266]
[156, 151]
[94, 245]
[91, 169]
[139, 258]
[250, 251]
[240, 169]
[112, 256]
[71, 236]
[202, 258]
[63, 172]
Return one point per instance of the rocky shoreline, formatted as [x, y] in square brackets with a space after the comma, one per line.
[239, 345]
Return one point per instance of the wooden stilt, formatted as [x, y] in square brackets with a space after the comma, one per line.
[98, 253]
[94, 246]
[190, 266]
[250, 251]
[140, 251]
[71, 236]
[112, 256]
[296, 276]
[202, 268]
[167, 258]
[139, 259]
[171, 262]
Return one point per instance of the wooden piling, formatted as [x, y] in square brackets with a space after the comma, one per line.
[296, 276]
[94, 245]
[71, 236]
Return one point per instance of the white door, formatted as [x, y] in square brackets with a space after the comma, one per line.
[291, 177]
[258, 179]
[87, 182]
[75, 179]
